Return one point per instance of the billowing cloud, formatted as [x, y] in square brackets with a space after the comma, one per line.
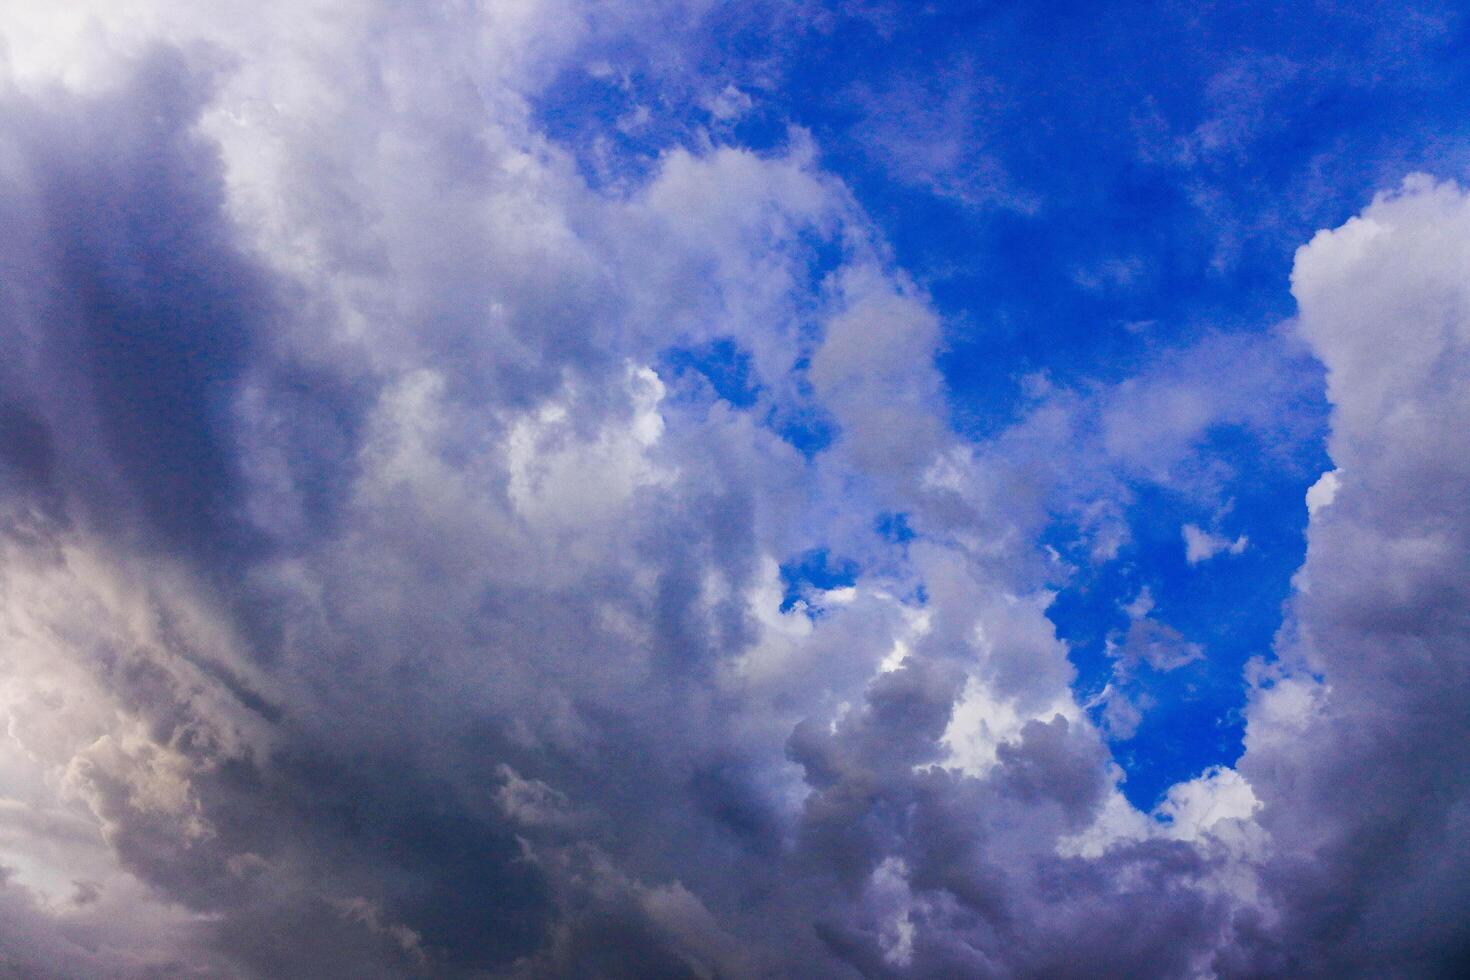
[391, 572]
[1356, 739]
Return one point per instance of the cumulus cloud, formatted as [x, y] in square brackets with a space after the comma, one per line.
[380, 597]
[1355, 742]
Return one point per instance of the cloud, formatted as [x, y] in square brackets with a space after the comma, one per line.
[1151, 643]
[1202, 545]
[937, 133]
[1354, 744]
[1323, 492]
[380, 600]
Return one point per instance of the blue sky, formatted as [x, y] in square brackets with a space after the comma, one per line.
[692, 488]
[1079, 189]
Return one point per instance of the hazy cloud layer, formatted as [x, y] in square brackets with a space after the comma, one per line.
[381, 595]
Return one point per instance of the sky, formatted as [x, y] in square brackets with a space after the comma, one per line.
[542, 488]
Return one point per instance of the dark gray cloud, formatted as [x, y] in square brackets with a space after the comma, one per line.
[129, 295]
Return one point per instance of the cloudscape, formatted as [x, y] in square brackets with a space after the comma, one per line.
[790, 488]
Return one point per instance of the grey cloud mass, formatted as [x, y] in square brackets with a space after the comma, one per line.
[376, 602]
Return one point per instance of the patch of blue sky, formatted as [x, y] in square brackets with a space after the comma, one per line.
[721, 369]
[618, 116]
[894, 527]
[1228, 604]
[1173, 195]
[722, 365]
[806, 427]
[806, 576]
